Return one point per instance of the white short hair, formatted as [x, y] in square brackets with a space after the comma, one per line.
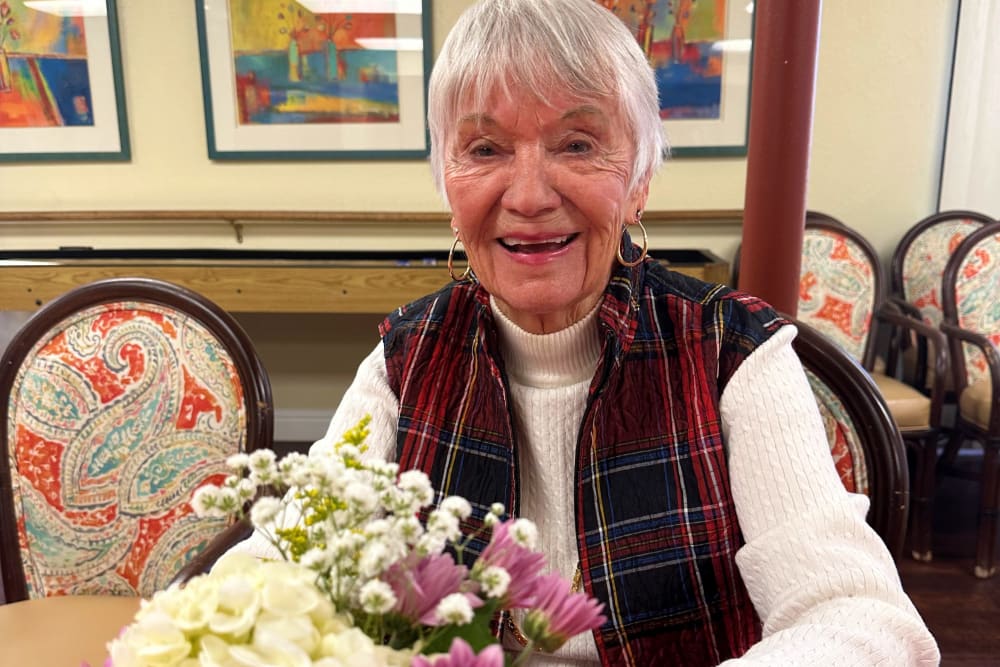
[576, 46]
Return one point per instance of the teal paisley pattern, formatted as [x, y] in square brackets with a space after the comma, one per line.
[924, 262]
[836, 289]
[977, 288]
[116, 417]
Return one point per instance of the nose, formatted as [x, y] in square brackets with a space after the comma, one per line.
[531, 190]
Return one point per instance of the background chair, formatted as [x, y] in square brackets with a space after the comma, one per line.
[814, 216]
[117, 401]
[865, 443]
[841, 296]
[971, 320]
[918, 265]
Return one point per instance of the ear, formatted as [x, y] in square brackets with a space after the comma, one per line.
[637, 200]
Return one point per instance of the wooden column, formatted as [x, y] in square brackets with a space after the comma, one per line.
[786, 38]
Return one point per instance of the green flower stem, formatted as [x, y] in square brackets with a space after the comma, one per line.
[523, 657]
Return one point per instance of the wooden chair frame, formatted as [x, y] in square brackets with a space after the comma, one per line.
[898, 292]
[249, 368]
[885, 454]
[921, 441]
[989, 502]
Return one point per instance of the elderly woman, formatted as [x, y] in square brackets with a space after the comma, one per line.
[659, 430]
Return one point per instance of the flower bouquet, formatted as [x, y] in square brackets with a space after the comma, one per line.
[361, 579]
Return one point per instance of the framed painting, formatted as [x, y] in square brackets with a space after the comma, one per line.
[701, 53]
[61, 92]
[315, 79]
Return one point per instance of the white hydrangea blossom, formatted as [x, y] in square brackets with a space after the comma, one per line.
[209, 621]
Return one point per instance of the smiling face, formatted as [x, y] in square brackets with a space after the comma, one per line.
[539, 194]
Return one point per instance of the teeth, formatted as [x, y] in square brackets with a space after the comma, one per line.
[516, 242]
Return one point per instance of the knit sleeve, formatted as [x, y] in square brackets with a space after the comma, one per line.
[822, 581]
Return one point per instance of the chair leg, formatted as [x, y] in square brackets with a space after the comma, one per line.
[951, 449]
[988, 503]
[922, 498]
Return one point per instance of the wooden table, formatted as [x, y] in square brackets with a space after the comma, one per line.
[62, 631]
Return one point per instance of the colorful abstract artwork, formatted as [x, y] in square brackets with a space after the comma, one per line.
[314, 78]
[61, 90]
[294, 65]
[44, 80]
[680, 40]
[700, 52]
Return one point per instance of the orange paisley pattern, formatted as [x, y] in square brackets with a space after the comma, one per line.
[116, 418]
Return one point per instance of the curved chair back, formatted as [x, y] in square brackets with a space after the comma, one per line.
[117, 401]
[840, 287]
[811, 216]
[971, 301]
[921, 255]
[865, 443]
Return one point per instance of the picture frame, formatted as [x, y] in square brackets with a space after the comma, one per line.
[315, 79]
[62, 96]
[701, 53]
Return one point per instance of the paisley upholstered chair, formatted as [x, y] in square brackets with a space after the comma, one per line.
[117, 401]
[865, 444]
[841, 296]
[971, 320]
[917, 268]
[811, 216]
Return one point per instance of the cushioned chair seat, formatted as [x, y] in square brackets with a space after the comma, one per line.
[975, 402]
[909, 408]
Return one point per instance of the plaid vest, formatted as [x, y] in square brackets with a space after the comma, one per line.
[656, 527]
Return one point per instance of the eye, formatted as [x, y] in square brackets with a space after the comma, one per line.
[577, 146]
[483, 150]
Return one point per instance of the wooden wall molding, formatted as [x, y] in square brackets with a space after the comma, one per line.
[717, 216]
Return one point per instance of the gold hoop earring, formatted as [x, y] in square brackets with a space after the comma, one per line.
[645, 246]
[451, 264]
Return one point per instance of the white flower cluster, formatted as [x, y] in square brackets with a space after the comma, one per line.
[248, 613]
[347, 519]
[362, 580]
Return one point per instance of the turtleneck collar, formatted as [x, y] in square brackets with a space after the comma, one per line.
[557, 359]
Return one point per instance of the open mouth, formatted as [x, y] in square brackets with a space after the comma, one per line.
[526, 247]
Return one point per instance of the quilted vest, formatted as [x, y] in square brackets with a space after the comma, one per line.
[656, 527]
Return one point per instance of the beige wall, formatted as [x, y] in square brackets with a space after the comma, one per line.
[880, 109]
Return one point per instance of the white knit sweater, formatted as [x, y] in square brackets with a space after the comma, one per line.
[821, 580]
